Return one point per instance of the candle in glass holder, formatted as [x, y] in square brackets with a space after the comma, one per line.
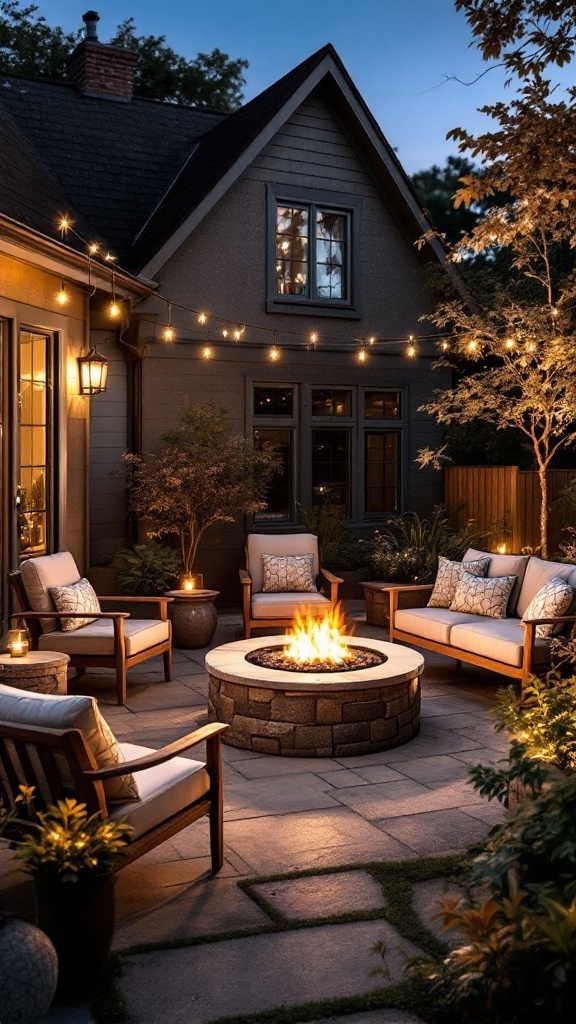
[18, 643]
[191, 581]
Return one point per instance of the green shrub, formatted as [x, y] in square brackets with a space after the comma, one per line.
[406, 548]
[338, 546]
[147, 569]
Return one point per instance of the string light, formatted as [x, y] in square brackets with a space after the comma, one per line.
[202, 318]
[274, 354]
[411, 350]
[63, 296]
[554, 311]
[371, 341]
[224, 333]
[238, 333]
[445, 345]
[93, 248]
[109, 257]
[313, 339]
[114, 308]
[472, 346]
[531, 346]
[206, 352]
[169, 334]
[510, 343]
[362, 355]
[64, 225]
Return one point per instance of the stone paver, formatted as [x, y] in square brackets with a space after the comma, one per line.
[323, 895]
[373, 1017]
[436, 832]
[427, 898]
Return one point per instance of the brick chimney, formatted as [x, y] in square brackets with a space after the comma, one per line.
[97, 69]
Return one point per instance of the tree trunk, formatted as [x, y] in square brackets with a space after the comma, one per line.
[543, 510]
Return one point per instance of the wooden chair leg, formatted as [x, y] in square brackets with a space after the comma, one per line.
[121, 681]
[216, 813]
[167, 665]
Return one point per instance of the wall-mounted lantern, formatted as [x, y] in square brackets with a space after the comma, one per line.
[93, 373]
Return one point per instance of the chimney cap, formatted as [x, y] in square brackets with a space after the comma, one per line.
[91, 19]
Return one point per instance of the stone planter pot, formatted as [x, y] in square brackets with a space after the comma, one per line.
[193, 617]
[378, 602]
[28, 972]
[79, 919]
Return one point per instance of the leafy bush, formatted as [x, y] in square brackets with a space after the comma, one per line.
[146, 569]
[406, 548]
[338, 546]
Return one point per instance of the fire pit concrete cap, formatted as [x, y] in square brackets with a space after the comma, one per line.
[228, 662]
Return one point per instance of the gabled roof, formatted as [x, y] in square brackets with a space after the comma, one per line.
[143, 174]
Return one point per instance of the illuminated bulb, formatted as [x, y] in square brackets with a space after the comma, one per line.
[313, 338]
[444, 346]
[472, 346]
[202, 318]
[411, 351]
[109, 257]
[64, 224]
[274, 354]
[114, 310]
[62, 297]
[531, 346]
[554, 311]
[509, 343]
[237, 335]
[168, 334]
[224, 333]
[371, 341]
[93, 248]
[362, 356]
[207, 352]
[501, 549]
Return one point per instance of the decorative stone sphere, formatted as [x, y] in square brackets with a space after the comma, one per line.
[28, 972]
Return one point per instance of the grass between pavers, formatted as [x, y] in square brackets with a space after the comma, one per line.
[397, 879]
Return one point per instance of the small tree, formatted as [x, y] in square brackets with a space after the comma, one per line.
[521, 342]
[203, 474]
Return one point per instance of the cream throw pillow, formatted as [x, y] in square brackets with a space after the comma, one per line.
[78, 597]
[481, 596]
[448, 577]
[288, 574]
[554, 598]
[56, 711]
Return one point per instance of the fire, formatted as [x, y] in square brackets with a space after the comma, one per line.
[318, 640]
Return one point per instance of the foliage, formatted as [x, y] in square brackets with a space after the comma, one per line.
[202, 474]
[477, 444]
[146, 569]
[515, 352]
[406, 548]
[337, 545]
[7, 814]
[544, 720]
[30, 47]
[69, 846]
[436, 187]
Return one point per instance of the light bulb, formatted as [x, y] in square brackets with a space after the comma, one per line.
[202, 318]
[371, 341]
[444, 346]
[237, 335]
[472, 346]
[168, 334]
[224, 333]
[411, 351]
[274, 354]
[64, 224]
[362, 356]
[62, 297]
[313, 338]
[114, 310]
[207, 352]
[93, 248]
[509, 343]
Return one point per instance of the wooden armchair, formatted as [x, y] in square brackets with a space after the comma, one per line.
[264, 609]
[61, 762]
[114, 640]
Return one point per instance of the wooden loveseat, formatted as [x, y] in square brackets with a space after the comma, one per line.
[508, 645]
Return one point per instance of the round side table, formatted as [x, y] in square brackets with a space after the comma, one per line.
[41, 671]
[193, 617]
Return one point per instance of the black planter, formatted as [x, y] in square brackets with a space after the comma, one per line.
[79, 918]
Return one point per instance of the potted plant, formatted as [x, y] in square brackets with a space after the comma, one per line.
[146, 569]
[72, 858]
[201, 475]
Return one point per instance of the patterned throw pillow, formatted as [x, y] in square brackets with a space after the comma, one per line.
[78, 597]
[483, 596]
[288, 574]
[554, 598]
[448, 577]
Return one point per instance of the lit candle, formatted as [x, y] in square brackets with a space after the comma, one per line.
[18, 643]
[188, 584]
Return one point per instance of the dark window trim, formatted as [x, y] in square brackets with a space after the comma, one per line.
[304, 305]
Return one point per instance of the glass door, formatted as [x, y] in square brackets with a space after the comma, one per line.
[35, 445]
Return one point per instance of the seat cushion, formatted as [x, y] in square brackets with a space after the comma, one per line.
[39, 574]
[538, 572]
[430, 623]
[498, 639]
[78, 597]
[504, 565]
[98, 637]
[285, 606]
[164, 790]
[56, 711]
[258, 544]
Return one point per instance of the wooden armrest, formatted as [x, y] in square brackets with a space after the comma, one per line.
[330, 576]
[545, 622]
[245, 578]
[155, 757]
[405, 587]
[70, 615]
[138, 600]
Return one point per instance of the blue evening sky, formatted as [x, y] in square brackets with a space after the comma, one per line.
[401, 54]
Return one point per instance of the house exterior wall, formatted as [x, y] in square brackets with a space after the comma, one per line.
[108, 443]
[221, 269]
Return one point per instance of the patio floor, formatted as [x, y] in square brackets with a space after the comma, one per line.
[284, 815]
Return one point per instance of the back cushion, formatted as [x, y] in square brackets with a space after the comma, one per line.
[504, 565]
[54, 711]
[538, 573]
[39, 574]
[259, 544]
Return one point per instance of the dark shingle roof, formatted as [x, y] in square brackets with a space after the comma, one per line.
[113, 160]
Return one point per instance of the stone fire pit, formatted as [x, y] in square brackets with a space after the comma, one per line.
[315, 714]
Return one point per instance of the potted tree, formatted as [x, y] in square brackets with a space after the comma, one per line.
[72, 858]
[202, 474]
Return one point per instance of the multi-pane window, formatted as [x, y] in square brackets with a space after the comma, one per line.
[275, 424]
[34, 400]
[312, 252]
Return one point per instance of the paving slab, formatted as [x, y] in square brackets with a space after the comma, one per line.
[201, 983]
[323, 895]
[373, 1017]
[440, 831]
[260, 797]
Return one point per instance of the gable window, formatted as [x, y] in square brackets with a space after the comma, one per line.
[312, 242]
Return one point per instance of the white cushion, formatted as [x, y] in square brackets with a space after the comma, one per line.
[504, 565]
[448, 577]
[78, 597]
[430, 623]
[55, 711]
[258, 544]
[288, 574]
[538, 572]
[164, 790]
[98, 637]
[499, 639]
[483, 596]
[284, 606]
[554, 598]
[39, 574]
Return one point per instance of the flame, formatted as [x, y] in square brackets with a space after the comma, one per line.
[318, 640]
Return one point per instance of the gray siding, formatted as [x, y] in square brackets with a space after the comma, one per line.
[108, 442]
